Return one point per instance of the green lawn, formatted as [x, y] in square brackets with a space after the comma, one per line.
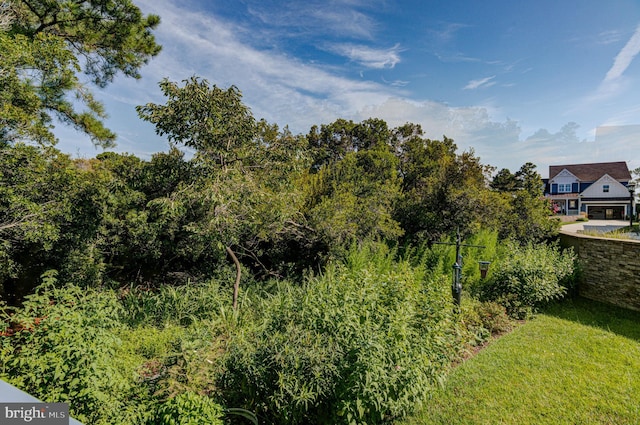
[579, 363]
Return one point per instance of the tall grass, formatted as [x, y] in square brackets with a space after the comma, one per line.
[439, 258]
[178, 305]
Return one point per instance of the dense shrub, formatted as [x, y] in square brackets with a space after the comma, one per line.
[79, 346]
[481, 320]
[188, 409]
[362, 343]
[528, 277]
[60, 348]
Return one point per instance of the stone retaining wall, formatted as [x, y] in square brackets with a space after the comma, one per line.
[611, 268]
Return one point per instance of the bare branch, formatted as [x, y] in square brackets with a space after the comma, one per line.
[250, 254]
[7, 226]
[236, 285]
[6, 16]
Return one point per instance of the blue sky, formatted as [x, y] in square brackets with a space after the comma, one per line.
[546, 81]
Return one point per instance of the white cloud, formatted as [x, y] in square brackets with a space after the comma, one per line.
[609, 37]
[317, 17]
[503, 143]
[624, 57]
[448, 32]
[614, 84]
[482, 83]
[287, 91]
[276, 86]
[367, 56]
[455, 57]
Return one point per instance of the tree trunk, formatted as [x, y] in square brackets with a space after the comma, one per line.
[236, 286]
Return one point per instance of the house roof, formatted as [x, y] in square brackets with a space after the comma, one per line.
[592, 172]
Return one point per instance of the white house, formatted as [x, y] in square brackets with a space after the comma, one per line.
[599, 190]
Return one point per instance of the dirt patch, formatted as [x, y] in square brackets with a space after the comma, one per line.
[472, 350]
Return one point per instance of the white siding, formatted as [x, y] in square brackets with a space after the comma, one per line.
[564, 177]
[596, 190]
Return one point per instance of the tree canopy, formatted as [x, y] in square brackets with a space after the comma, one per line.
[274, 202]
[44, 46]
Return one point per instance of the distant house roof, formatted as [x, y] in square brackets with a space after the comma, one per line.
[592, 172]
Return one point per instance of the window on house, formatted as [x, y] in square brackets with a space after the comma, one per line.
[605, 188]
[564, 188]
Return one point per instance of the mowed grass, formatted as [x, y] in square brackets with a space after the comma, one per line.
[578, 363]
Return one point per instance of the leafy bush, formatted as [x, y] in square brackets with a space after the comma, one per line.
[362, 343]
[188, 409]
[61, 349]
[73, 345]
[481, 320]
[528, 277]
[494, 317]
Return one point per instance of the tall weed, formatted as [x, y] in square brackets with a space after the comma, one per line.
[178, 305]
[362, 342]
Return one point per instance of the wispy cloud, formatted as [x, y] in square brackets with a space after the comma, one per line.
[448, 31]
[609, 37]
[299, 93]
[625, 57]
[336, 18]
[455, 57]
[368, 56]
[482, 83]
[398, 83]
[613, 84]
[277, 86]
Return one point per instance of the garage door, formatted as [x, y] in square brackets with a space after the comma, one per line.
[606, 213]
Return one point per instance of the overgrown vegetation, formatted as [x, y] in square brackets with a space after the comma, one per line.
[361, 343]
[365, 341]
[292, 277]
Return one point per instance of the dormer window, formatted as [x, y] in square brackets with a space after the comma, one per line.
[605, 188]
[564, 188]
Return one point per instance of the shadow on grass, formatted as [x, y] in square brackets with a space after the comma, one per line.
[604, 316]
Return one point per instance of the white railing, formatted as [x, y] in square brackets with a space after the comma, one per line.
[11, 394]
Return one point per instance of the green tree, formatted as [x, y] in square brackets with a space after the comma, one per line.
[211, 120]
[42, 47]
[526, 178]
[243, 194]
[505, 181]
[530, 180]
[353, 186]
[332, 142]
[353, 199]
[40, 198]
[442, 190]
[523, 213]
[525, 218]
